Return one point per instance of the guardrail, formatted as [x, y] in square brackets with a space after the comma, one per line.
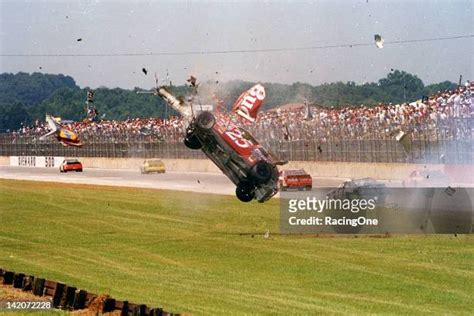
[68, 297]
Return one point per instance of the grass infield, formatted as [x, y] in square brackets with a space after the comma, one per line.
[206, 254]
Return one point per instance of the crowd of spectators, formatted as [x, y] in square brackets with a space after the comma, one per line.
[445, 115]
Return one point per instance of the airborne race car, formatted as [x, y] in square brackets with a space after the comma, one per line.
[237, 154]
[66, 136]
[240, 157]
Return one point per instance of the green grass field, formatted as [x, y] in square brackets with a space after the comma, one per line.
[205, 254]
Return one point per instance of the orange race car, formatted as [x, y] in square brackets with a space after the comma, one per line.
[297, 179]
[70, 165]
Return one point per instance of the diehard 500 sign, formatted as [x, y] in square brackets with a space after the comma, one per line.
[36, 161]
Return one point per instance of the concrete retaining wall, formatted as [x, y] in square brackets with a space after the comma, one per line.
[4, 160]
[381, 171]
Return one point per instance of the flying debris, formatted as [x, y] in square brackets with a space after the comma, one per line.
[145, 71]
[404, 139]
[66, 136]
[192, 81]
[79, 39]
[91, 110]
[90, 96]
[378, 40]
[249, 102]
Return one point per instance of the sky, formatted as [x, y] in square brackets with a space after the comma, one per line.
[239, 30]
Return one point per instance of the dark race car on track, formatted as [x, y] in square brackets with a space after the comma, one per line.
[237, 154]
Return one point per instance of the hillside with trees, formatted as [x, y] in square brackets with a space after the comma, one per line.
[26, 97]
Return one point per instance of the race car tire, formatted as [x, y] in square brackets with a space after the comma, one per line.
[261, 171]
[205, 120]
[245, 191]
[192, 142]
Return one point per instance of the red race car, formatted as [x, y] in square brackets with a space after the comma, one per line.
[237, 154]
[70, 165]
[240, 157]
[295, 179]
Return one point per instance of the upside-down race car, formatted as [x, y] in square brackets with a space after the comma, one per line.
[237, 154]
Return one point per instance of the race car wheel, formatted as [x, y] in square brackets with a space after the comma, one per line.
[205, 120]
[245, 191]
[192, 142]
[261, 171]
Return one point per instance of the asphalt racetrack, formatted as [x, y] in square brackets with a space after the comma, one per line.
[181, 181]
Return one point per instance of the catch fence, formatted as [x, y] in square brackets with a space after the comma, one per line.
[422, 149]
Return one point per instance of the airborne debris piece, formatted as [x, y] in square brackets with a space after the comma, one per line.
[404, 139]
[378, 40]
[145, 71]
[198, 181]
[449, 191]
[249, 102]
[79, 39]
[192, 81]
[91, 110]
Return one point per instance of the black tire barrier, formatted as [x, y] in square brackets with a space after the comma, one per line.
[109, 305]
[8, 277]
[58, 295]
[18, 280]
[38, 286]
[79, 300]
[70, 298]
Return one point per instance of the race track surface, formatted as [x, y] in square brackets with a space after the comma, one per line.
[181, 181]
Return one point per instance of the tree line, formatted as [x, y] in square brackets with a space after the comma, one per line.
[26, 97]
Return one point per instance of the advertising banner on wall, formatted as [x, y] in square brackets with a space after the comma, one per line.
[36, 161]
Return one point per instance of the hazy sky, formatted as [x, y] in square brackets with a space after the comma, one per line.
[142, 27]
